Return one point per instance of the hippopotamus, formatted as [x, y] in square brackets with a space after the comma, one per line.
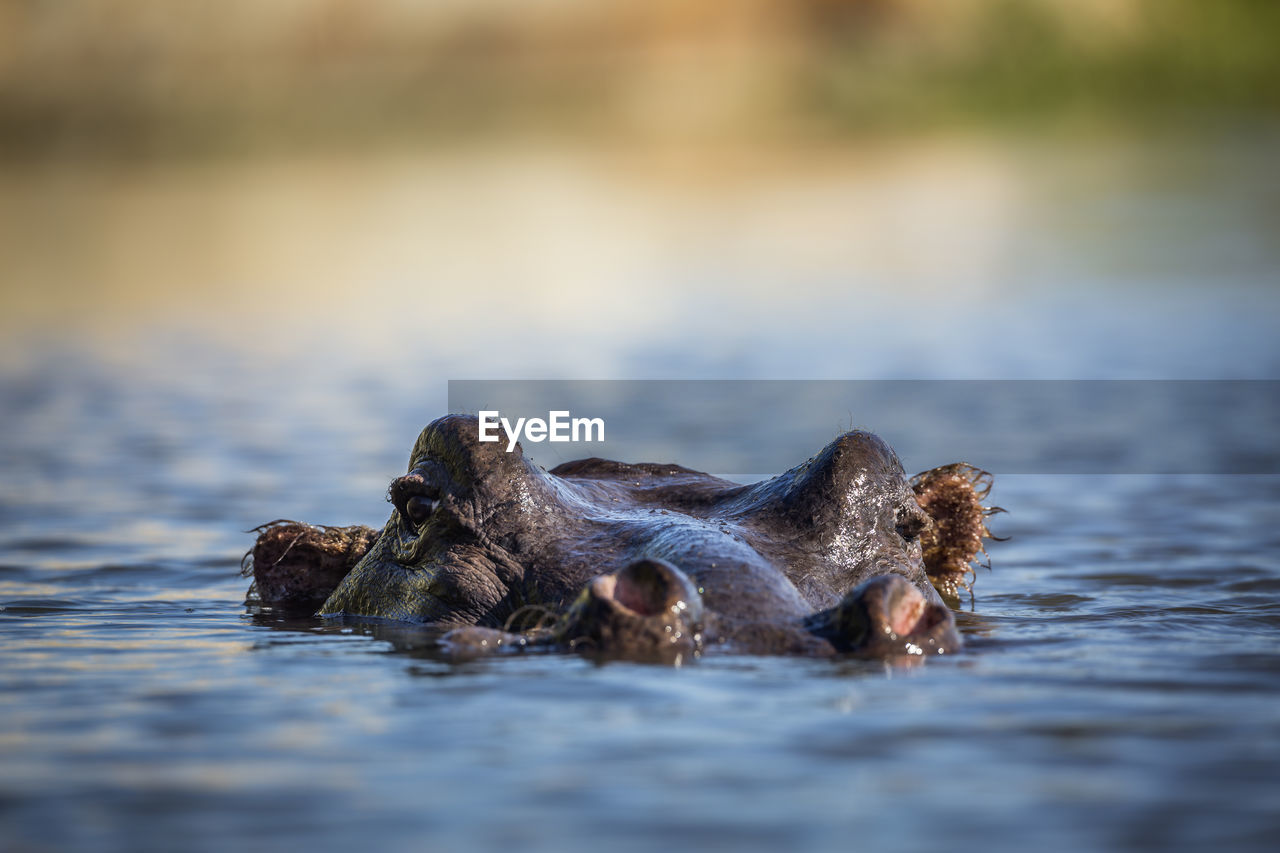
[842, 554]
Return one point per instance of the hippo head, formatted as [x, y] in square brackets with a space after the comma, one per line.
[463, 518]
[658, 562]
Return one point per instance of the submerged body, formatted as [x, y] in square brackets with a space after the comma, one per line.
[654, 561]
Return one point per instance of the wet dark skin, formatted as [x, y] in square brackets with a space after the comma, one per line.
[647, 561]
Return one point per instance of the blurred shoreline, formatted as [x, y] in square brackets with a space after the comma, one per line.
[133, 79]
[819, 188]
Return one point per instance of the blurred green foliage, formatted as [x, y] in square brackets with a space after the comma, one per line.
[139, 77]
[1169, 59]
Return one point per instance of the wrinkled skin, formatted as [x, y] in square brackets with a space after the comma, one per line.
[657, 562]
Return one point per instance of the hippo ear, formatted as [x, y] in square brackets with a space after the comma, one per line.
[952, 495]
[296, 566]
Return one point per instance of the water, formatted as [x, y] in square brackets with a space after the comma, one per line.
[1121, 687]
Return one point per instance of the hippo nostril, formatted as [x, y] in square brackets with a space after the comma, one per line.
[642, 587]
[910, 522]
[651, 587]
[935, 615]
[906, 608]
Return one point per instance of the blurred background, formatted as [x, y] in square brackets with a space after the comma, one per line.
[824, 188]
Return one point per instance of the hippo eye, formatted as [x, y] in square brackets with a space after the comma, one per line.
[419, 508]
[909, 524]
[414, 497]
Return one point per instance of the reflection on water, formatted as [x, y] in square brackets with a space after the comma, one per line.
[945, 258]
[1121, 683]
